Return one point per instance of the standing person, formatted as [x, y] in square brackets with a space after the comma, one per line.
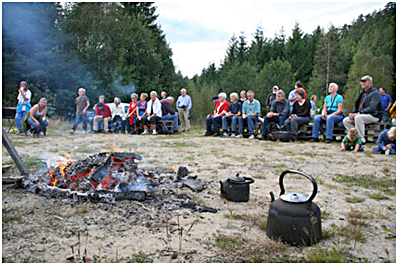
[386, 103]
[82, 103]
[213, 122]
[154, 111]
[37, 114]
[278, 113]
[313, 106]
[251, 109]
[300, 114]
[271, 96]
[393, 113]
[367, 108]
[168, 112]
[163, 95]
[102, 113]
[141, 114]
[118, 116]
[234, 115]
[242, 96]
[184, 104]
[24, 96]
[131, 114]
[332, 113]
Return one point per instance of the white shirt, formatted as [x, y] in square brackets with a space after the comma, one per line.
[157, 107]
[119, 110]
[20, 98]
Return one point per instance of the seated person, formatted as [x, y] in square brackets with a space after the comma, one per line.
[213, 122]
[154, 112]
[332, 113]
[102, 113]
[37, 115]
[131, 114]
[300, 114]
[141, 114]
[251, 109]
[168, 112]
[118, 116]
[352, 141]
[279, 112]
[233, 115]
[386, 143]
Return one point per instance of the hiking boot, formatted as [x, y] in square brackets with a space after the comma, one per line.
[239, 136]
[72, 132]
[233, 135]
[251, 136]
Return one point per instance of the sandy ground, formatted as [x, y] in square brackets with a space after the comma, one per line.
[358, 219]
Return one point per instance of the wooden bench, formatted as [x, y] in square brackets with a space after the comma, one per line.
[9, 115]
[169, 124]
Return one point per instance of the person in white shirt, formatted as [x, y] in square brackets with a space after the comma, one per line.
[118, 116]
[154, 112]
[24, 96]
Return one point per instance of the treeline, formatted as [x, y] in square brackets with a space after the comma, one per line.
[340, 55]
[109, 48]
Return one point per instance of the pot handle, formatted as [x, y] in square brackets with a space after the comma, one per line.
[315, 190]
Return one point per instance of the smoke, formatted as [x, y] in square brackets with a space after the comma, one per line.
[122, 91]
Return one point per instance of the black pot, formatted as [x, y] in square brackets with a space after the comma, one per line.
[236, 188]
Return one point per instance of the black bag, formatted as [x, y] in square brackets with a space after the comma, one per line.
[162, 129]
[272, 127]
[282, 136]
[39, 129]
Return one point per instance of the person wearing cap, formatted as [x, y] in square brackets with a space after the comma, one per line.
[213, 122]
[271, 96]
[102, 113]
[386, 103]
[251, 109]
[300, 113]
[332, 113]
[367, 108]
[234, 116]
[184, 105]
[278, 113]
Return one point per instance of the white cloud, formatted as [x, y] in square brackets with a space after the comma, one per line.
[226, 18]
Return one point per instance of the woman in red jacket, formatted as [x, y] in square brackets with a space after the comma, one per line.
[213, 122]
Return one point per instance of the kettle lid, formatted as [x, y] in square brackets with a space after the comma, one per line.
[236, 179]
[294, 197]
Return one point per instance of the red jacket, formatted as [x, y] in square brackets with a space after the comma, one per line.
[218, 110]
[106, 112]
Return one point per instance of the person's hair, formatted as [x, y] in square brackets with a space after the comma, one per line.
[145, 95]
[183, 89]
[336, 86]
[383, 89]
[391, 133]
[250, 91]
[280, 92]
[234, 94]
[83, 90]
[170, 98]
[153, 93]
[101, 96]
[300, 92]
[244, 91]
[222, 95]
[353, 133]
[24, 84]
[313, 96]
[43, 99]
[299, 84]
[134, 94]
[117, 99]
[275, 87]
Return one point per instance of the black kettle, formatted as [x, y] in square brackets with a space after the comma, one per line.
[236, 188]
[294, 218]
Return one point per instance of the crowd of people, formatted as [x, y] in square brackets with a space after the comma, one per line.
[229, 118]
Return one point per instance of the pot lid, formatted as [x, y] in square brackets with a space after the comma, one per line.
[236, 178]
[294, 197]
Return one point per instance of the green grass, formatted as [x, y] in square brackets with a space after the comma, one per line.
[378, 196]
[321, 255]
[33, 162]
[354, 199]
[368, 181]
[179, 144]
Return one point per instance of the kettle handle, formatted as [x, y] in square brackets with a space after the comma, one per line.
[315, 190]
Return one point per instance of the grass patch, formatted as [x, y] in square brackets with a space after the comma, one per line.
[179, 144]
[357, 218]
[321, 255]
[33, 162]
[378, 196]
[368, 181]
[253, 219]
[351, 233]
[354, 199]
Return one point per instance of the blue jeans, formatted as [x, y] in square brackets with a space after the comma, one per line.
[19, 117]
[250, 123]
[349, 148]
[330, 122]
[280, 120]
[33, 124]
[377, 149]
[213, 124]
[173, 117]
[80, 118]
[233, 120]
[293, 124]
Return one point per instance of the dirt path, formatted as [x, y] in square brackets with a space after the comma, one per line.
[356, 196]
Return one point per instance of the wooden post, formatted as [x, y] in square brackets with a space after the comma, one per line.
[13, 153]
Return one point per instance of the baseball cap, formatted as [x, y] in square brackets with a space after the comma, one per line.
[367, 78]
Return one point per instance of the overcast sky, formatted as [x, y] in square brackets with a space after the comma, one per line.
[198, 31]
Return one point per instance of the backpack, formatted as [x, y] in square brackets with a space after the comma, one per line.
[282, 136]
[162, 129]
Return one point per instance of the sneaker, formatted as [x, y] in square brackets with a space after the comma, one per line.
[145, 132]
[251, 136]
[225, 134]
[72, 132]
[41, 133]
[28, 132]
[84, 132]
[233, 135]
[315, 140]
[19, 133]
[154, 132]
[239, 136]
[328, 141]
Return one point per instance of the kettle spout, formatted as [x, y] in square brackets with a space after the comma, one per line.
[272, 196]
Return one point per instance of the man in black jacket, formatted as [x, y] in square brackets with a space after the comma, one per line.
[367, 108]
